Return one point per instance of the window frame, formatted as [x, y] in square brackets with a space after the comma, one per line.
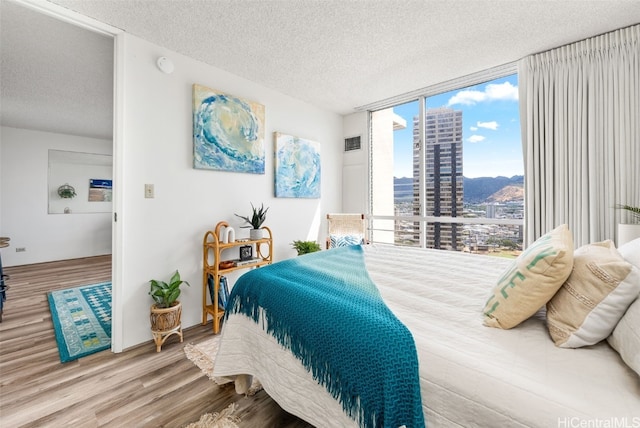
[421, 96]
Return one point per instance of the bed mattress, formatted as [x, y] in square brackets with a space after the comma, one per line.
[470, 375]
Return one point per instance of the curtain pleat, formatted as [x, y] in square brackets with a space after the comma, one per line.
[580, 116]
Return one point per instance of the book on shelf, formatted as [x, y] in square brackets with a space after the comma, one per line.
[210, 286]
[247, 262]
[223, 294]
[223, 291]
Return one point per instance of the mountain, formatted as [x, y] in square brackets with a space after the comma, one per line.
[402, 189]
[508, 194]
[476, 190]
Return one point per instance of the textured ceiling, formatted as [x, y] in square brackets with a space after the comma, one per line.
[335, 54]
[54, 76]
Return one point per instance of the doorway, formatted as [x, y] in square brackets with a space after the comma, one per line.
[57, 82]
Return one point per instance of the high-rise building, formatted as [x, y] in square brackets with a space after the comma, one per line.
[443, 175]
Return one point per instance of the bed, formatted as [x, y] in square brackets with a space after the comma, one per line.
[469, 374]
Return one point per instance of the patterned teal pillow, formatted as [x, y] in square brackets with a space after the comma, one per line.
[345, 240]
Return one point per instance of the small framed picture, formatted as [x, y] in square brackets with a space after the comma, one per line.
[246, 252]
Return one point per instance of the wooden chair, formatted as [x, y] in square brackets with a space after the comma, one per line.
[346, 224]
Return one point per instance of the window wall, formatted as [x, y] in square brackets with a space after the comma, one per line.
[447, 170]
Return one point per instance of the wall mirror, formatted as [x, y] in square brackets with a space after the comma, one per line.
[79, 182]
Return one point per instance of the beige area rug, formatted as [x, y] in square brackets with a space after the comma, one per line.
[203, 355]
[224, 419]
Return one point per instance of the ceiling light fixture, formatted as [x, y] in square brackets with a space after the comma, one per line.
[165, 65]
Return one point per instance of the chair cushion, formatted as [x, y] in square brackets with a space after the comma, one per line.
[345, 240]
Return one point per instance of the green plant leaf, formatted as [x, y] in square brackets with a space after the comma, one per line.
[175, 278]
[173, 296]
[635, 211]
[163, 294]
[258, 217]
[305, 247]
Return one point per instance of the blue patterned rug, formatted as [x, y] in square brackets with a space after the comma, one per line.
[81, 319]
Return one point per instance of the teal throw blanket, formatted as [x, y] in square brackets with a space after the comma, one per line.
[325, 308]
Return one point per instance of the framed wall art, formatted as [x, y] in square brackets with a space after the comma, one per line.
[100, 190]
[297, 167]
[228, 132]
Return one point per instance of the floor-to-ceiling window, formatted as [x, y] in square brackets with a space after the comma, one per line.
[447, 170]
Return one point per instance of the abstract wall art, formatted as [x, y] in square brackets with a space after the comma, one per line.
[228, 132]
[297, 167]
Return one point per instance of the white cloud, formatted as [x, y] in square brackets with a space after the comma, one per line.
[467, 97]
[475, 138]
[473, 128]
[489, 125]
[502, 91]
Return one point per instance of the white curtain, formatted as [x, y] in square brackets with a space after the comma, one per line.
[580, 115]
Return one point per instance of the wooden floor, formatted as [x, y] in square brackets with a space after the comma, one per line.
[135, 388]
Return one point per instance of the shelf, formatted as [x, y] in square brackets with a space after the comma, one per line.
[225, 245]
[212, 255]
[256, 264]
[211, 310]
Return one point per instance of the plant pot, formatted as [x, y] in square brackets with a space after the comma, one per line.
[627, 233]
[165, 322]
[165, 319]
[255, 234]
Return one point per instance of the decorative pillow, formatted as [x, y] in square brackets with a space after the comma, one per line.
[626, 337]
[345, 240]
[587, 307]
[531, 280]
[631, 252]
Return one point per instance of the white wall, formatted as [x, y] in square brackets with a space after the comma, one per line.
[77, 170]
[355, 165]
[163, 234]
[24, 194]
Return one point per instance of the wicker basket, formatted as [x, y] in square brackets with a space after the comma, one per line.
[165, 319]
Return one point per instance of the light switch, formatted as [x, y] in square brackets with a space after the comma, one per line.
[149, 191]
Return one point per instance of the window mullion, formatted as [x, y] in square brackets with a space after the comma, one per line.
[421, 171]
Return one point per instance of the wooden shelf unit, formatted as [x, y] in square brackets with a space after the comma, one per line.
[212, 255]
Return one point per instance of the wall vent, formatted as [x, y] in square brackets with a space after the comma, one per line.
[352, 143]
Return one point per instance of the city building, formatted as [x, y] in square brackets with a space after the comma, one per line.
[443, 175]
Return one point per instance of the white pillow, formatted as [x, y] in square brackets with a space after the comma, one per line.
[631, 252]
[626, 337]
[600, 288]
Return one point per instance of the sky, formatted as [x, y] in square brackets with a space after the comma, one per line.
[490, 132]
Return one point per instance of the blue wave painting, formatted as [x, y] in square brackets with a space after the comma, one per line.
[228, 133]
[297, 164]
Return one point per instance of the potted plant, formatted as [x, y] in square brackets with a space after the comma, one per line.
[255, 221]
[166, 310]
[66, 192]
[305, 247]
[635, 211]
[630, 231]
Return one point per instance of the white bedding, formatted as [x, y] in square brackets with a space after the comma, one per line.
[470, 375]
